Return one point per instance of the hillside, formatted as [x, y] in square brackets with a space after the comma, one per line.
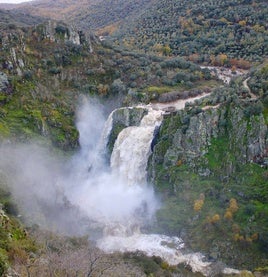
[58, 10]
[47, 66]
[92, 14]
[12, 19]
[208, 162]
[231, 33]
[202, 31]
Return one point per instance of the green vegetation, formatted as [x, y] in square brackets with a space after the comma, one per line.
[11, 20]
[214, 198]
[198, 209]
[223, 33]
[213, 185]
[44, 74]
[16, 245]
[219, 33]
[155, 266]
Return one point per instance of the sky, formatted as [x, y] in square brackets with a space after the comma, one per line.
[13, 1]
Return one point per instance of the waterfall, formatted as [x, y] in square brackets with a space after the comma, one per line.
[108, 125]
[128, 162]
[133, 147]
[115, 203]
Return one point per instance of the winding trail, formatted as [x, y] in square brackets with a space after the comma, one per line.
[245, 84]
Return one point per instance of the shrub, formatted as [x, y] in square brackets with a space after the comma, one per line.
[236, 228]
[233, 205]
[133, 84]
[198, 204]
[60, 29]
[253, 109]
[3, 261]
[228, 215]
[28, 75]
[215, 218]
[54, 70]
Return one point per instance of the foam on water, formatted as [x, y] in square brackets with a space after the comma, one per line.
[165, 247]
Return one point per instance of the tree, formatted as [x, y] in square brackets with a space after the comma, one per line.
[166, 50]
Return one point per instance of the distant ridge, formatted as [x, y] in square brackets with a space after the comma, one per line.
[9, 18]
[213, 32]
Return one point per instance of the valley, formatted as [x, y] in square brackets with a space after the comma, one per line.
[141, 154]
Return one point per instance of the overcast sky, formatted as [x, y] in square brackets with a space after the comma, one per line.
[13, 1]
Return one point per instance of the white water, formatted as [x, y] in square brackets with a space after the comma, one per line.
[105, 133]
[102, 193]
[132, 149]
[117, 201]
[128, 162]
[165, 247]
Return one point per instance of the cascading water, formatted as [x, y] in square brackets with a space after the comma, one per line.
[132, 149]
[102, 193]
[129, 161]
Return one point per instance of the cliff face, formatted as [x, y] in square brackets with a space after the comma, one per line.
[122, 118]
[43, 69]
[201, 162]
[200, 140]
[205, 140]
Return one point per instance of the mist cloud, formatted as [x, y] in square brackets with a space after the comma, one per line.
[71, 196]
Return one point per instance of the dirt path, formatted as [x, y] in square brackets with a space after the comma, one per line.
[245, 84]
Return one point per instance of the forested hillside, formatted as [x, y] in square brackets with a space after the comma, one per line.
[223, 32]
[208, 162]
[231, 33]
[44, 68]
[13, 19]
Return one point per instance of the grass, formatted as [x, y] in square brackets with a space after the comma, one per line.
[154, 89]
[265, 114]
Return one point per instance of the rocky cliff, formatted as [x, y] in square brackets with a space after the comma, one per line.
[122, 118]
[193, 139]
[203, 160]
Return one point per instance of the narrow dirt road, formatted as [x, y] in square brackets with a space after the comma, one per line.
[245, 84]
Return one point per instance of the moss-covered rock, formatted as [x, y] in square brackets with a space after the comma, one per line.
[200, 162]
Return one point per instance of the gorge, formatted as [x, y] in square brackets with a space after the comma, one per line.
[143, 154]
[116, 200]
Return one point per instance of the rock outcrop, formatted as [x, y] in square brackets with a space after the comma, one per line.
[122, 118]
[197, 139]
